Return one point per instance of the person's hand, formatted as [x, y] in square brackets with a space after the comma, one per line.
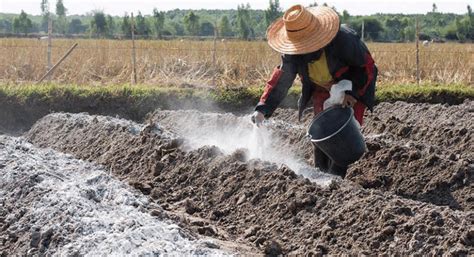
[257, 118]
[349, 101]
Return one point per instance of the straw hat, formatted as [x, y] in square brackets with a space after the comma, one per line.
[303, 30]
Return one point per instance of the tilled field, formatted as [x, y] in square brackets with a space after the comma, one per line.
[219, 177]
[53, 204]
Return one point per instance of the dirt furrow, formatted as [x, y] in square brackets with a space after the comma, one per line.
[256, 202]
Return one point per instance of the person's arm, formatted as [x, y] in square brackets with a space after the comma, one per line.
[360, 65]
[277, 87]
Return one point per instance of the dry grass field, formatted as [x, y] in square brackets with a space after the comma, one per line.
[208, 63]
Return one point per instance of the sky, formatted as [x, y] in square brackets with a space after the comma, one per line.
[119, 7]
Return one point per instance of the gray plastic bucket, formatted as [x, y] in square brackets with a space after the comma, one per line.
[336, 132]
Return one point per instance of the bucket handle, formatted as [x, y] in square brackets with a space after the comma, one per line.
[335, 133]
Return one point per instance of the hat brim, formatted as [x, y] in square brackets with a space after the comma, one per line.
[317, 36]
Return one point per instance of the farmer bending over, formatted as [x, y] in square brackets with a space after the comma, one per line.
[322, 53]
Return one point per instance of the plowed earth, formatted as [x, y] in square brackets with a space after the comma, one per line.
[411, 193]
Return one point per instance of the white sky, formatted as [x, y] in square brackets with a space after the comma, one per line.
[118, 7]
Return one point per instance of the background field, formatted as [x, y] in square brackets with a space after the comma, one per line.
[210, 64]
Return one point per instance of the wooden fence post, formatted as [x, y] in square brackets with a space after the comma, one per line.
[134, 61]
[417, 36]
[214, 57]
[50, 30]
[50, 71]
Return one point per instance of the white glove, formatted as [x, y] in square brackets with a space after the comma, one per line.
[257, 118]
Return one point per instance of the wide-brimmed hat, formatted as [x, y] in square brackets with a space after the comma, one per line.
[303, 30]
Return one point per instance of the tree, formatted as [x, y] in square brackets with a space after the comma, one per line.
[435, 8]
[345, 17]
[99, 23]
[225, 29]
[61, 23]
[44, 6]
[110, 26]
[394, 27]
[462, 28]
[76, 27]
[207, 29]
[404, 25]
[126, 26]
[141, 27]
[191, 21]
[409, 30]
[45, 14]
[313, 4]
[16, 26]
[450, 32]
[22, 24]
[5, 26]
[243, 18]
[247, 23]
[60, 9]
[372, 28]
[273, 11]
[470, 18]
[158, 21]
[178, 28]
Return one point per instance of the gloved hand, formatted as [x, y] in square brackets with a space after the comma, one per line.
[257, 118]
[349, 101]
[338, 95]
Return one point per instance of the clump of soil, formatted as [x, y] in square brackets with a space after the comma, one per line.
[256, 202]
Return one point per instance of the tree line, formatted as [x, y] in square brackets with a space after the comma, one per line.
[243, 22]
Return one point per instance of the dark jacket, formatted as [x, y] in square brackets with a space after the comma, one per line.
[347, 58]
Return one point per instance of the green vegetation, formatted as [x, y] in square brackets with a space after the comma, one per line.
[22, 105]
[98, 25]
[243, 22]
[192, 23]
[273, 12]
[452, 94]
[163, 97]
[22, 24]
[158, 21]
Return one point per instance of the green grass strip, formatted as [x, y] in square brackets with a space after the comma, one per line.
[235, 97]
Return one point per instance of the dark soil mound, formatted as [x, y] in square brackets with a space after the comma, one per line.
[450, 128]
[419, 151]
[256, 202]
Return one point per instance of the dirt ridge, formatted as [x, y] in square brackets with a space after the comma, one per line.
[423, 152]
[255, 202]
